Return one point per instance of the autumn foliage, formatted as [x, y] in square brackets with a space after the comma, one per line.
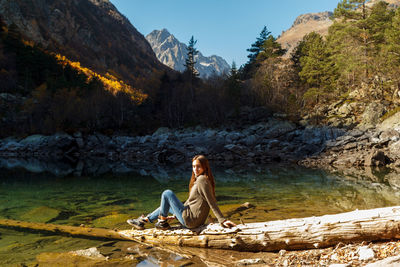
[110, 82]
[44, 93]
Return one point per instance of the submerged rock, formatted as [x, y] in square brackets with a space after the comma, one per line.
[41, 215]
[92, 253]
[88, 257]
[111, 221]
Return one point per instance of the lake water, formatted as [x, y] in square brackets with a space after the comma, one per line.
[107, 200]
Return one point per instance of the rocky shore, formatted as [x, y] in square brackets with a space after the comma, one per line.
[270, 141]
[377, 146]
[274, 140]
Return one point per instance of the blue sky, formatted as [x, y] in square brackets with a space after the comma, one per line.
[222, 27]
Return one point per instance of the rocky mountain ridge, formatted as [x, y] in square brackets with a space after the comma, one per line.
[315, 22]
[321, 16]
[304, 24]
[171, 52]
[392, 3]
[92, 32]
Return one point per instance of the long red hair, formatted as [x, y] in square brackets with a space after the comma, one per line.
[207, 172]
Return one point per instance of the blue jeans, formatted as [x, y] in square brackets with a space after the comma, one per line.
[169, 204]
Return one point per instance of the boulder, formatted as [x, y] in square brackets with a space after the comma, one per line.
[390, 134]
[250, 140]
[346, 109]
[376, 158]
[393, 122]
[277, 128]
[394, 149]
[161, 131]
[12, 146]
[61, 140]
[36, 140]
[372, 114]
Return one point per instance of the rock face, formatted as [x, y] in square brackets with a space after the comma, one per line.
[304, 24]
[315, 22]
[172, 53]
[392, 3]
[375, 147]
[92, 32]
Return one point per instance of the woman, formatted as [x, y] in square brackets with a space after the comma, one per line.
[194, 212]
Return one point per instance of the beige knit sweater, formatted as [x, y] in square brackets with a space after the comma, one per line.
[197, 206]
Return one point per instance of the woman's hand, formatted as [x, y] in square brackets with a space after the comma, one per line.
[228, 224]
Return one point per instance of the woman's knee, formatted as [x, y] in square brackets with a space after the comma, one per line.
[167, 193]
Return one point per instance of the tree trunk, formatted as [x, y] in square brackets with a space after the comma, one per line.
[292, 234]
[303, 233]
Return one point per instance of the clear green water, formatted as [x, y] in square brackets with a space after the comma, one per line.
[278, 192]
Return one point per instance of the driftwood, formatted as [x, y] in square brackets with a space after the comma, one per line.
[304, 233]
[292, 234]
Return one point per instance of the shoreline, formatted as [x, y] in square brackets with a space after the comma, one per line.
[271, 141]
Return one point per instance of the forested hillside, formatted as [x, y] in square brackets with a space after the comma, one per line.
[355, 64]
[44, 92]
[333, 79]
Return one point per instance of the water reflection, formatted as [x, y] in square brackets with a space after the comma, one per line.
[105, 194]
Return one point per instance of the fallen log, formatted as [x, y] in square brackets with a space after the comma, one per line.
[291, 234]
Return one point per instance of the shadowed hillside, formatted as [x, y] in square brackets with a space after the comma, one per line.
[92, 32]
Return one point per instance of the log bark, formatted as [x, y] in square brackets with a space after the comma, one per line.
[292, 234]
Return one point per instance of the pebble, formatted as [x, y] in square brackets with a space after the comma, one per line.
[365, 253]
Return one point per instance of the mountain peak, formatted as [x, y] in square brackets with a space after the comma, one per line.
[172, 53]
[321, 16]
[304, 24]
[164, 31]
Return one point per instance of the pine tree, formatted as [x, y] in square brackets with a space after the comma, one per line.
[191, 58]
[317, 71]
[256, 47]
[270, 49]
[250, 67]
[391, 54]
[353, 14]
[234, 88]
[356, 40]
[392, 36]
[190, 65]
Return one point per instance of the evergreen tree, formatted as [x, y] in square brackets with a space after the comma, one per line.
[256, 47]
[316, 69]
[391, 54]
[351, 10]
[190, 65]
[352, 15]
[234, 87]
[250, 67]
[392, 36]
[356, 40]
[191, 58]
[270, 49]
